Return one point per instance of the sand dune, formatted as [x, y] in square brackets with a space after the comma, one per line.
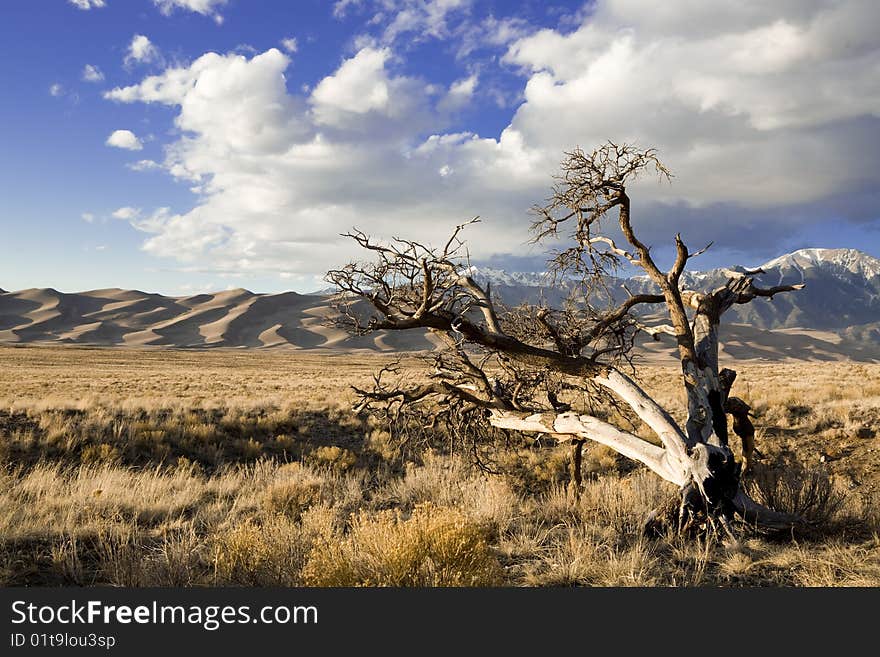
[744, 342]
[242, 319]
[232, 318]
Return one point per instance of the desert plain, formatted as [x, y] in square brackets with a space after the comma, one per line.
[175, 467]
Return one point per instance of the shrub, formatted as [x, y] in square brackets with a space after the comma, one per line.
[102, 453]
[383, 444]
[808, 494]
[296, 489]
[267, 554]
[436, 546]
[336, 458]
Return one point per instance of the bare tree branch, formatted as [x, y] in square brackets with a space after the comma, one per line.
[557, 371]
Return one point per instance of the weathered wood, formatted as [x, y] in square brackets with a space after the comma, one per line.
[649, 412]
[567, 425]
[743, 427]
[762, 517]
[577, 455]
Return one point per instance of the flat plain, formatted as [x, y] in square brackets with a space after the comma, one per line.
[215, 467]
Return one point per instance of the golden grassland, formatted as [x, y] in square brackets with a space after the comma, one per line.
[180, 468]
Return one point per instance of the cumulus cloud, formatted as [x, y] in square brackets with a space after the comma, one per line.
[141, 51]
[408, 23]
[290, 44]
[92, 73]
[85, 5]
[427, 19]
[417, 19]
[750, 131]
[280, 176]
[143, 165]
[88, 217]
[56, 89]
[361, 85]
[490, 32]
[340, 7]
[203, 7]
[125, 139]
[460, 93]
[127, 213]
[733, 96]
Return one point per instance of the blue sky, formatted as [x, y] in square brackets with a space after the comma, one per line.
[179, 146]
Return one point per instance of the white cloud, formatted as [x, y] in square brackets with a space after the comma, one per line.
[502, 31]
[732, 96]
[461, 23]
[359, 86]
[364, 97]
[418, 19]
[423, 18]
[143, 165]
[124, 139]
[239, 105]
[460, 93]
[203, 7]
[188, 289]
[141, 51]
[88, 217]
[340, 7]
[127, 213]
[92, 73]
[489, 32]
[290, 44]
[278, 176]
[56, 89]
[85, 5]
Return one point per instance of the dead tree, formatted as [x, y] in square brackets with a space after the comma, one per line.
[561, 372]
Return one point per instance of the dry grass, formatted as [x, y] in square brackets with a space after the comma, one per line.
[216, 468]
[433, 546]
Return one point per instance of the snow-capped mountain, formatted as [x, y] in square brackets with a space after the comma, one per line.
[503, 277]
[842, 289]
[851, 260]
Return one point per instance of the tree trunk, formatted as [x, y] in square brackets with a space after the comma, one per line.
[707, 475]
[577, 452]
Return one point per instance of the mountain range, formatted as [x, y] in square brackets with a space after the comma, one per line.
[842, 289]
[836, 316]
